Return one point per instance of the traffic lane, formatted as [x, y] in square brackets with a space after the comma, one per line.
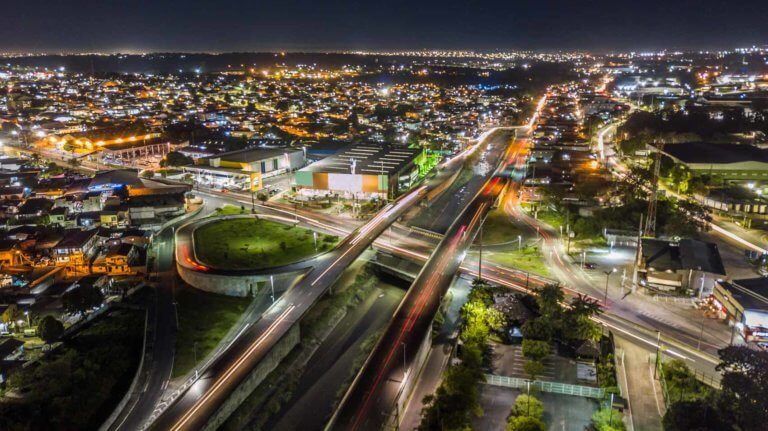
[203, 397]
[373, 392]
[201, 400]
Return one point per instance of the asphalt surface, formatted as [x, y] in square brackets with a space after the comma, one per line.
[370, 400]
[334, 360]
[200, 400]
[160, 364]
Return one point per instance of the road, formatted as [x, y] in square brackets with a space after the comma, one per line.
[371, 398]
[160, 363]
[200, 400]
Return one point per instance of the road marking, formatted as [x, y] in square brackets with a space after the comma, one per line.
[231, 370]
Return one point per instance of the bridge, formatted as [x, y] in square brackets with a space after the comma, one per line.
[208, 401]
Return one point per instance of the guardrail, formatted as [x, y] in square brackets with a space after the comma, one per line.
[552, 387]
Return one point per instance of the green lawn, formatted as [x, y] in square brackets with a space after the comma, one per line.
[256, 244]
[204, 318]
[498, 228]
[552, 218]
[528, 259]
[231, 210]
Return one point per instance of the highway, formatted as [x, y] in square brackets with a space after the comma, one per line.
[372, 396]
[200, 400]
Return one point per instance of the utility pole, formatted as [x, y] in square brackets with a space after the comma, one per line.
[480, 259]
[638, 252]
[650, 226]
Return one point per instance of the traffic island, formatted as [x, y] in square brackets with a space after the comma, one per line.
[239, 255]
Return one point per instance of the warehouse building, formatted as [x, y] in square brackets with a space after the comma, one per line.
[244, 169]
[363, 171]
[727, 161]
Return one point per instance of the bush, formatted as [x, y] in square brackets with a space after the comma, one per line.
[528, 405]
[682, 383]
[525, 423]
[50, 329]
[694, 415]
[608, 420]
[533, 369]
[535, 350]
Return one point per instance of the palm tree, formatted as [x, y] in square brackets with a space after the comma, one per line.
[583, 305]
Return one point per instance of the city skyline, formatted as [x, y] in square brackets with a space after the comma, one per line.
[80, 26]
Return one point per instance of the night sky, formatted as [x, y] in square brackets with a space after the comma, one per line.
[294, 25]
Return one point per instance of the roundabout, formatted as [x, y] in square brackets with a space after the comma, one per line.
[256, 243]
[238, 255]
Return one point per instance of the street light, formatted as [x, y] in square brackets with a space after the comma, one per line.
[519, 242]
[607, 277]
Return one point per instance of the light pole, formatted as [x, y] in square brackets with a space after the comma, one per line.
[480, 256]
[272, 284]
[528, 391]
[607, 277]
[194, 352]
[658, 353]
[314, 235]
[519, 242]
[701, 333]
[26, 313]
[404, 362]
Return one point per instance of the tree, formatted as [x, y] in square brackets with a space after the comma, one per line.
[535, 350]
[50, 329]
[525, 423]
[533, 369]
[577, 324]
[745, 385]
[538, 329]
[175, 158]
[262, 197]
[549, 298]
[82, 299]
[699, 415]
[527, 405]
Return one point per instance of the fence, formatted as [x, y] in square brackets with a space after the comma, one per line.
[707, 379]
[553, 387]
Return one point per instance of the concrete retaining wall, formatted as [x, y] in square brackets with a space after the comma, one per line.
[273, 358]
[234, 285]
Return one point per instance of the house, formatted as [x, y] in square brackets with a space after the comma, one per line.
[58, 216]
[34, 207]
[74, 250]
[10, 253]
[682, 265]
[118, 260]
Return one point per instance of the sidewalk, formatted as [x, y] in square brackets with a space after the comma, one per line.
[646, 403]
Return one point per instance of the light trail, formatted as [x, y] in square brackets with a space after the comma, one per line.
[231, 370]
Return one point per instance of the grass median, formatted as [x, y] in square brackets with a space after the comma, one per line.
[204, 320]
[528, 259]
[248, 243]
[498, 228]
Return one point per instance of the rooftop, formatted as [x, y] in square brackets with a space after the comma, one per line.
[250, 155]
[751, 293]
[662, 255]
[366, 159]
[703, 152]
